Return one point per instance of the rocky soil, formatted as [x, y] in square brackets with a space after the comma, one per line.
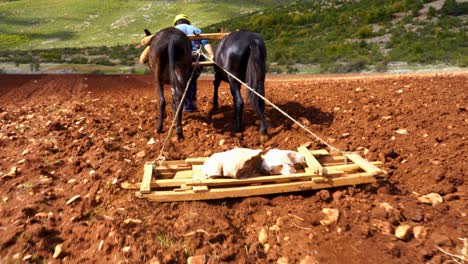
[68, 141]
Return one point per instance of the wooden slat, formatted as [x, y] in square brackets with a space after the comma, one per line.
[208, 36]
[186, 177]
[197, 172]
[311, 161]
[190, 195]
[147, 175]
[203, 63]
[196, 161]
[364, 164]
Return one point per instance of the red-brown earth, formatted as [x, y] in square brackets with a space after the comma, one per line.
[83, 135]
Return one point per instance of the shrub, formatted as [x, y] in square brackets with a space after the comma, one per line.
[365, 32]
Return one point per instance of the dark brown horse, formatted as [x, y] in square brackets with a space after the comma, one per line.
[243, 54]
[170, 60]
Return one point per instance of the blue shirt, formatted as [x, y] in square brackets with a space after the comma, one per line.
[191, 30]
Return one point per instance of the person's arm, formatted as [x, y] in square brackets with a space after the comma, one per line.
[209, 49]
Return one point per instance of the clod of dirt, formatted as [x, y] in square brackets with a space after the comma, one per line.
[263, 236]
[403, 232]
[431, 198]
[332, 216]
[420, 232]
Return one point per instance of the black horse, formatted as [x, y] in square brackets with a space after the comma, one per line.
[242, 53]
[170, 59]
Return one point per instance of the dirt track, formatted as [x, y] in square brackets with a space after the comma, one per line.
[84, 134]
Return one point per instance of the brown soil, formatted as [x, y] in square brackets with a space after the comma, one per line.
[84, 134]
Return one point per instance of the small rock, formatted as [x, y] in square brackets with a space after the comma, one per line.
[332, 216]
[92, 172]
[41, 215]
[73, 199]
[403, 232]
[441, 239]
[308, 260]
[266, 247]
[402, 131]
[221, 142]
[57, 251]
[101, 244]
[383, 226]
[387, 207]
[431, 198]
[420, 232]
[263, 236]
[13, 172]
[345, 135]
[200, 259]
[126, 249]
[151, 141]
[283, 260]
[132, 221]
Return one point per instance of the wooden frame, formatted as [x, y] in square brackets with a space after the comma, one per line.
[323, 170]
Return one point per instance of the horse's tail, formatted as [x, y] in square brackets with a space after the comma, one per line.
[255, 76]
[172, 68]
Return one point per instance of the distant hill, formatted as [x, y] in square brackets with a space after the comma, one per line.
[301, 36]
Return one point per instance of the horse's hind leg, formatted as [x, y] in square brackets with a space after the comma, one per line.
[216, 83]
[162, 105]
[238, 103]
[259, 107]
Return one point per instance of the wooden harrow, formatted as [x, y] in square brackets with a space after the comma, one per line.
[173, 180]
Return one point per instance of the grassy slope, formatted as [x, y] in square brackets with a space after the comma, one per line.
[332, 36]
[39, 24]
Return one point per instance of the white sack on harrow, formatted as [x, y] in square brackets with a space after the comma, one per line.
[235, 163]
[278, 161]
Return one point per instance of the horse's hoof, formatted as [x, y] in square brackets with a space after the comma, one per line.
[180, 138]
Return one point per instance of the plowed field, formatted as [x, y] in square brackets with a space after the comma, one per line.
[68, 135]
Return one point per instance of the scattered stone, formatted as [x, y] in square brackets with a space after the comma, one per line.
[403, 232]
[345, 135]
[332, 216]
[73, 199]
[431, 198]
[151, 141]
[266, 247]
[384, 227]
[41, 215]
[57, 251]
[308, 260]
[221, 142]
[200, 259]
[26, 151]
[263, 236]
[283, 260]
[420, 232]
[27, 257]
[274, 228]
[71, 181]
[13, 172]
[387, 207]
[92, 172]
[126, 249]
[402, 131]
[132, 221]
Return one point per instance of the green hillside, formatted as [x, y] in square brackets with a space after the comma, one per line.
[40, 24]
[305, 36]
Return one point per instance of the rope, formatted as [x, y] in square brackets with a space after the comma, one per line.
[160, 156]
[332, 148]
